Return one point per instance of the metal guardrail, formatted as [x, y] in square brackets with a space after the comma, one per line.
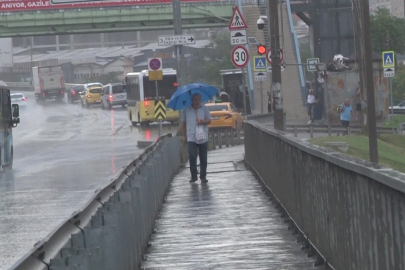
[224, 137]
[112, 230]
[333, 129]
[26, 86]
[327, 198]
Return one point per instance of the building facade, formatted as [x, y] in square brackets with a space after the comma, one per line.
[396, 7]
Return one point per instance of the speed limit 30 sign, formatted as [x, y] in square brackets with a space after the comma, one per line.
[240, 56]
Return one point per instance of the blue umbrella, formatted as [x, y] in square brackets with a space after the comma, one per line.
[181, 99]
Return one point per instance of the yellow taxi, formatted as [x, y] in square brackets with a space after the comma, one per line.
[92, 95]
[224, 115]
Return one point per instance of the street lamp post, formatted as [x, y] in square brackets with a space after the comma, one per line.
[276, 86]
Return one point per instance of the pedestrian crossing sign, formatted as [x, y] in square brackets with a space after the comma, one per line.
[388, 59]
[260, 63]
[237, 21]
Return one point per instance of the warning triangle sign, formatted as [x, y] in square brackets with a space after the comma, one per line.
[237, 21]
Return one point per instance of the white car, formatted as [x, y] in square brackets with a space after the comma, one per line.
[113, 94]
[398, 109]
[18, 98]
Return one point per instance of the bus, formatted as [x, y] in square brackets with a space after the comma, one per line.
[141, 93]
[9, 118]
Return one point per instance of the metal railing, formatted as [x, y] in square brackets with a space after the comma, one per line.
[26, 86]
[333, 129]
[112, 230]
[224, 138]
[296, 47]
[349, 211]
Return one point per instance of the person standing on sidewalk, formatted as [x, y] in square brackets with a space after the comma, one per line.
[358, 103]
[312, 100]
[195, 121]
[346, 111]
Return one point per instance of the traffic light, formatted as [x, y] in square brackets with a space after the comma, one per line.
[261, 49]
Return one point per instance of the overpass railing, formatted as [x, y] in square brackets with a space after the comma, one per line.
[351, 211]
[296, 47]
[112, 230]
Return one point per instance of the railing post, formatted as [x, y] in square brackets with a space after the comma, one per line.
[211, 139]
[329, 130]
[220, 139]
[226, 138]
[238, 136]
[311, 131]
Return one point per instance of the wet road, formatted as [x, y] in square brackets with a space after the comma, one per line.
[62, 154]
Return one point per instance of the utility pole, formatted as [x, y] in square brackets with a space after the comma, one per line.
[272, 15]
[369, 82]
[178, 48]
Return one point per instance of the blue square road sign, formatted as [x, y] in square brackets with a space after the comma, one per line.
[260, 63]
[388, 59]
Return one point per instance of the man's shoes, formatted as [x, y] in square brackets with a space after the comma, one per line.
[310, 121]
[192, 180]
[204, 180]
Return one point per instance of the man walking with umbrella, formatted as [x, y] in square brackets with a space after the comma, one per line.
[195, 121]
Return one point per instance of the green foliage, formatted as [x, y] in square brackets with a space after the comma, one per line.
[397, 119]
[210, 60]
[104, 78]
[387, 32]
[391, 149]
[398, 85]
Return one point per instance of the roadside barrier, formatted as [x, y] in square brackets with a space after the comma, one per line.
[112, 230]
[348, 212]
[224, 137]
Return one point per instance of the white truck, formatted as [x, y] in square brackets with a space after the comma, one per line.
[48, 83]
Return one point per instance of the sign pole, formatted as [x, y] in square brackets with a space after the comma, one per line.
[392, 106]
[261, 96]
[157, 98]
[243, 91]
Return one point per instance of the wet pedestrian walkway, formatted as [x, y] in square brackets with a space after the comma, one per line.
[227, 223]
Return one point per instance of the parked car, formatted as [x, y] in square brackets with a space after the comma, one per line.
[18, 98]
[113, 94]
[73, 94]
[398, 109]
[224, 115]
[91, 96]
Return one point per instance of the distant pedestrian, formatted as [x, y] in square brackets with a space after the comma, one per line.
[269, 103]
[223, 96]
[195, 121]
[358, 102]
[346, 111]
[311, 102]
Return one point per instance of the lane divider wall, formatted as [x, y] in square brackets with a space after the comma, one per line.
[112, 230]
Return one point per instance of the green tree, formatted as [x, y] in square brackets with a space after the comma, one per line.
[398, 85]
[387, 32]
[208, 61]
